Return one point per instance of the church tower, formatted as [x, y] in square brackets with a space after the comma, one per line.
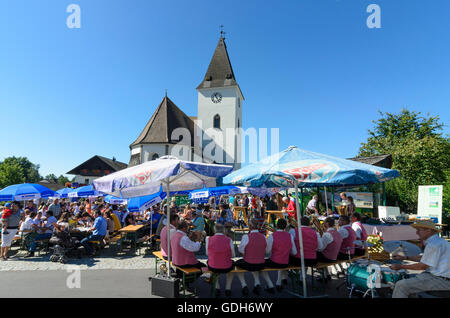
[220, 107]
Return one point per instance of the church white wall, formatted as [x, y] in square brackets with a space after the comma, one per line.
[82, 179]
[135, 150]
[179, 151]
[230, 113]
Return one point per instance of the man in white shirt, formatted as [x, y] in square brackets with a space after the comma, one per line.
[277, 256]
[257, 251]
[311, 208]
[220, 253]
[28, 224]
[435, 262]
[48, 231]
[348, 238]
[183, 247]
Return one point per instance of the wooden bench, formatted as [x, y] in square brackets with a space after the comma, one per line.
[294, 272]
[189, 274]
[114, 241]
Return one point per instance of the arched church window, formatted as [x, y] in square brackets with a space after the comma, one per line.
[155, 156]
[217, 121]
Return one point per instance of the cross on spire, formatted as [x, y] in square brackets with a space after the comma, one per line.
[222, 33]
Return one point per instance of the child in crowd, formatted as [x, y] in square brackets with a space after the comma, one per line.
[5, 215]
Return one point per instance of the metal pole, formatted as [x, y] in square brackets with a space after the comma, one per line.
[332, 199]
[168, 229]
[302, 258]
[301, 198]
[326, 200]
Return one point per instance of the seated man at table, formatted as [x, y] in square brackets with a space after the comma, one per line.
[280, 245]
[361, 234]
[220, 251]
[174, 219]
[27, 225]
[291, 209]
[187, 213]
[435, 262]
[253, 246]
[198, 223]
[85, 219]
[184, 247]
[227, 215]
[311, 243]
[98, 233]
[45, 232]
[154, 218]
[347, 249]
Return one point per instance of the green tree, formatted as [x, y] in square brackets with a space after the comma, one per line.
[63, 180]
[51, 177]
[10, 173]
[29, 170]
[419, 151]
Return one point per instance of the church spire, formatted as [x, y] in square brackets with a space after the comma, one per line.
[220, 72]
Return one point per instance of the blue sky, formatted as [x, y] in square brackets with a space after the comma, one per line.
[309, 67]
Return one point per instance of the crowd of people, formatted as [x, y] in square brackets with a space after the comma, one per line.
[209, 225]
[87, 220]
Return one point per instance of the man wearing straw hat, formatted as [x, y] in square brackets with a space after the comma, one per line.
[435, 262]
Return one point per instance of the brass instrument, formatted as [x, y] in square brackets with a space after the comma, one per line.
[269, 228]
[317, 225]
[292, 223]
[196, 236]
[342, 210]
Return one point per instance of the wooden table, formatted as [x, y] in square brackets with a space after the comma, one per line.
[236, 213]
[131, 228]
[131, 232]
[277, 213]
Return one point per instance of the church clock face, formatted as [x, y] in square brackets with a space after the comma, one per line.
[216, 98]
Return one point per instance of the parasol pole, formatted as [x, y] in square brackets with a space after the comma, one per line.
[168, 229]
[326, 200]
[300, 239]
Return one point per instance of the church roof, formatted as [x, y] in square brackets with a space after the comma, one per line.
[164, 121]
[220, 72]
[98, 166]
[384, 161]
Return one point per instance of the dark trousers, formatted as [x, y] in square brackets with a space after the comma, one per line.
[250, 267]
[91, 238]
[296, 261]
[199, 265]
[221, 270]
[344, 257]
[360, 251]
[321, 258]
[272, 264]
[38, 238]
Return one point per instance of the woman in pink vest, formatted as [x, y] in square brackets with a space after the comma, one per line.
[347, 250]
[220, 251]
[280, 245]
[253, 246]
[361, 234]
[311, 242]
